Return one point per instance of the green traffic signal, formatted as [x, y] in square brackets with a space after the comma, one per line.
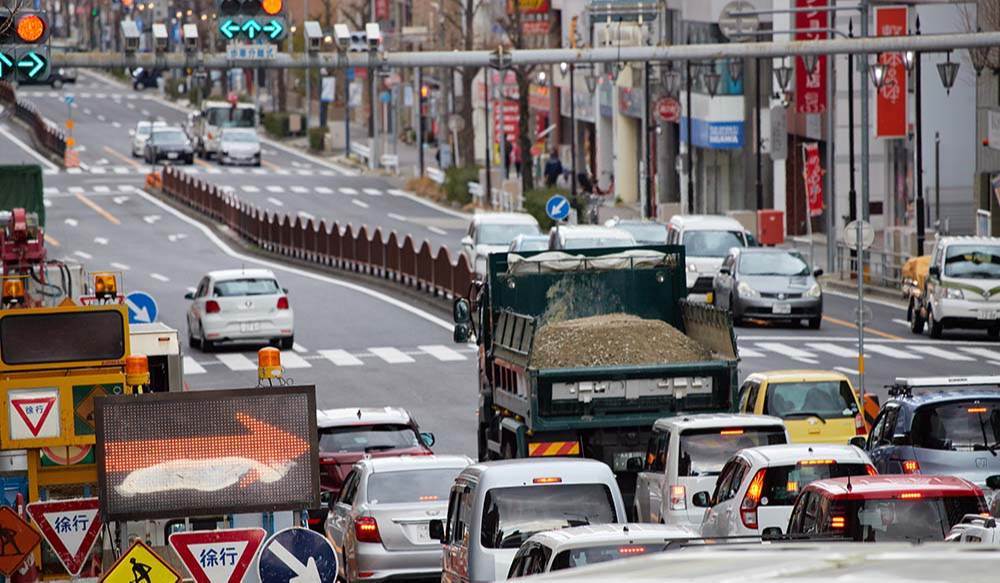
[6, 66]
[32, 65]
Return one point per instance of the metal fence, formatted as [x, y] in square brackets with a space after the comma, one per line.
[49, 137]
[399, 259]
[882, 268]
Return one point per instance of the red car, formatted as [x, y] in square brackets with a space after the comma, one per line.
[885, 507]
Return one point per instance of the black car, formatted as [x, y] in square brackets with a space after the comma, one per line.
[170, 145]
[58, 76]
[145, 78]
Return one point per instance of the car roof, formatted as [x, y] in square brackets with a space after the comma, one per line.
[586, 231]
[416, 462]
[521, 472]
[883, 486]
[924, 397]
[715, 420]
[767, 251]
[796, 375]
[617, 221]
[165, 128]
[612, 534]
[348, 416]
[155, 124]
[791, 453]
[226, 274]
[706, 222]
[967, 240]
[238, 130]
[504, 218]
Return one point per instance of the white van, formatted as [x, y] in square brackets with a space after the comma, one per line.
[963, 286]
[686, 454]
[494, 507]
[707, 240]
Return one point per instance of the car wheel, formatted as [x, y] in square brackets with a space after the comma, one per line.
[57, 84]
[192, 341]
[206, 344]
[934, 327]
[737, 320]
[815, 323]
[189, 160]
[286, 343]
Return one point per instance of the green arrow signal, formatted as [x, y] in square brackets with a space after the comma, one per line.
[32, 61]
[229, 29]
[6, 64]
[274, 29]
[251, 28]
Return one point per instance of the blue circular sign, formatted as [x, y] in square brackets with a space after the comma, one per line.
[142, 308]
[297, 554]
[557, 207]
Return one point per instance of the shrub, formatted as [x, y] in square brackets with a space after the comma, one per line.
[173, 88]
[316, 138]
[425, 188]
[534, 204]
[276, 124]
[456, 183]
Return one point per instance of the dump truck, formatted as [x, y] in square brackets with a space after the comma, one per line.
[539, 398]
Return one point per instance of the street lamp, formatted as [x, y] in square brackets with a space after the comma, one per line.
[948, 71]
[735, 68]
[591, 80]
[810, 62]
[878, 71]
[541, 77]
[783, 75]
[711, 79]
[568, 68]
[672, 81]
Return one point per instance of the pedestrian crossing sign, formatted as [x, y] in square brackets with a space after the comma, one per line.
[141, 565]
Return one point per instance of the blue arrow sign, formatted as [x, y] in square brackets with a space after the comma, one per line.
[557, 207]
[32, 64]
[6, 65]
[297, 554]
[251, 28]
[142, 308]
[229, 29]
[274, 29]
[69, 99]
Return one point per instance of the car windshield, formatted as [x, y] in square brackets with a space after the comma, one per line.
[703, 452]
[230, 117]
[972, 261]
[711, 243]
[502, 234]
[582, 557]
[143, 129]
[646, 232]
[367, 438]
[249, 286]
[823, 399]
[914, 519]
[169, 138]
[596, 242]
[787, 264]
[242, 137]
[970, 425]
[512, 515]
[532, 244]
[782, 484]
[409, 486]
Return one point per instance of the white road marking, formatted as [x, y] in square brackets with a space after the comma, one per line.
[373, 192]
[83, 255]
[901, 322]
[347, 190]
[391, 355]
[437, 230]
[289, 359]
[250, 188]
[399, 218]
[275, 188]
[174, 237]
[943, 354]
[789, 351]
[159, 277]
[47, 203]
[48, 190]
[323, 190]
[360, 203]
[442, 352]
[192, 367]
[150, 219]
[116, 124]
[300, 190]
[75, 189]
[749, 353]
[119, 266]
[833, 349]
[29, 150]
[275, 201]
[119, 199]
[846, 370]
[101, 189]
[306, 216]
[340, 357]
[126, 188]
[430, 204]
[981, 352]
[891, 352]
[299, 348]
[71, 222]
[236, 361]
[101, 240]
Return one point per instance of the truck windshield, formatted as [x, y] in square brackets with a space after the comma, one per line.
[430, 485]
[502, 234]
[512, 515]
[783, 483]
[703, 452]
[824, 399]
[598, 243]
[918, 519]
[601, 554]
[169, 138]
[230, 117]
[366, 438]
[972, 261]
[646, 232]
[711, 243]
[972, 425]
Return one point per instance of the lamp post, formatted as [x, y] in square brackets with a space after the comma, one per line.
[571, 69]
[912, 60]
[690, 143]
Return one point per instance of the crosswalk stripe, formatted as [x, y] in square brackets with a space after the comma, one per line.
[50, 190]
[323, 190]
[982, 352]
[786, 350]
[236, 361]
[304, 172]
[442, 352]
[300, 189]
[340, 357]
[749, 353]
[390, 355]
[348, 190]
[891, 352]
[944, 354]
[192, 367]
[373, 192]
[250, 188]
[275, 188]
[102, 189]
[289, 359]
[834, 349]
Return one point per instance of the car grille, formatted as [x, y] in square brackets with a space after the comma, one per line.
[702, 286]
[780, 296]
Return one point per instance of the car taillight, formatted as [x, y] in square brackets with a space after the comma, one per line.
[212, 307]
[838, 522]
[366, 530]
[283, 303]
[911, 467]
[748, 509]
[871, 470]
[678, 498]
[859, 425]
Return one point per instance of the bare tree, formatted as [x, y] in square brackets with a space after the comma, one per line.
[985, 15]
[512, 23]
[459, 32]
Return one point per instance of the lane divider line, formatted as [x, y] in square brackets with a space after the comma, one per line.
[97, 209]
[853, 326]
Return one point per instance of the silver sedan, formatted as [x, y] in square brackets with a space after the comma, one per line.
[380, 522]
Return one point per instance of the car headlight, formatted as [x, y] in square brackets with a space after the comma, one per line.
[953, 293]
[815, 291]
[746, 291]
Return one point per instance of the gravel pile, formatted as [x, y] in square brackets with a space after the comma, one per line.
[613, 340]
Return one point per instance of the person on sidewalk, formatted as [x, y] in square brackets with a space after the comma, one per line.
[553, 169]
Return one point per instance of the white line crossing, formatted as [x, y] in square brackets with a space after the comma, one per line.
[159, 277]
[359, 203]
[348, 190]
[890, 352]
[250, 188]
[275, 201]
[749, 353]
[340, 357]
[442, 352]
[236, 361]
[831, 348]
[789, 351]
[300, 190]
[981, 352]
[373, 192]
[191, 366]
[942, 354]
[391, 355]
[275, 188]
[290, 359]
[323, 190]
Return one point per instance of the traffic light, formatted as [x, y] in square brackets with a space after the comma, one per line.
[252, 19]
[24, 55]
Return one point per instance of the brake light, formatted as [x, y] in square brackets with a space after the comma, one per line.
[678, 498]
[731, 432]
[428, 498]
[838, 522]
[817, 462]
[976, 409]
[792, 486]
[871, 470]
[748, 509]
[212, 307]
[910, 496]
[911, 467]
[631, 550]
[366, 530]
[283, 303]
[859, 425]
[546, 480]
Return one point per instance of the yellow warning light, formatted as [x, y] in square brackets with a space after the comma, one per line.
[271, 7]
[269, 363]
[70, 141]
[105, 286]
[13, 290]
[136, 370]
[30, 28]
[69, 124]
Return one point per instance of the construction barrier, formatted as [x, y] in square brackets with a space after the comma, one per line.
[49, 137]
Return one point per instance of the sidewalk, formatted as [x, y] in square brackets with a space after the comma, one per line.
[407, 153]
[843, 282]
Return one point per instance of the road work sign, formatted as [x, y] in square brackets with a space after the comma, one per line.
[297, 555]
[142, 308]
[141, 565]
[70, 527]
[218, 556]
[17, 540]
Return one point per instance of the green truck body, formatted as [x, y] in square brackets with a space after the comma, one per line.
[21, 187]
[608, 411]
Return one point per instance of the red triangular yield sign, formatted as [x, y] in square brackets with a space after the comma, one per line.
[35, 418]
[218, 556]
[70, 527]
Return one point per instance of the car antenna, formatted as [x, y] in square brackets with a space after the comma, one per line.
[849, 487]
[359, 413]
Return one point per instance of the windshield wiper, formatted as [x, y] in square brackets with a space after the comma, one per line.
[805, 414]
[986, 440]
[577, 519]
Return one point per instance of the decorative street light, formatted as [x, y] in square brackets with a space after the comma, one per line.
[672, 82]
[909, 57]
[591, 80]
[712, 78]
[783, 75]
[810, 62]
[736, 68]
[948, 71]
[878, 71]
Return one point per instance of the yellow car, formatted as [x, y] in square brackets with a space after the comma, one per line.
[817, 406]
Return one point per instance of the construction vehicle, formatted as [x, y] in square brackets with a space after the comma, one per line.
[600, 412]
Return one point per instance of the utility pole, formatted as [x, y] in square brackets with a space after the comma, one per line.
[420, 120]
[305, 11]
[863, 212]
[918, 127]
[759, 137]
[690, 145]
[488, 189]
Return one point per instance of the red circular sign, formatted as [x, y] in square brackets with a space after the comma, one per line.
[669, 109]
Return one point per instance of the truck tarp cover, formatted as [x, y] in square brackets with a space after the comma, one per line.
[21, 187]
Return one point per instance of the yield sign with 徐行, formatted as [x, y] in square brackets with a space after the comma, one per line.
[31, 413]
[17, 540]
[70, 527]
[218, 556]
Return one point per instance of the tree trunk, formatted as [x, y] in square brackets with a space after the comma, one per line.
[467, 137]
[524, 131]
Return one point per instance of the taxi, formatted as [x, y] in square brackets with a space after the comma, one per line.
[817, 406]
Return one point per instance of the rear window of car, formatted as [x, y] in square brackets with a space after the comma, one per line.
[703, 452]
[512, 515]
[897, 519]
[823, 399]
[972, 425]
[249, 286]
[582, 557]
[367, 438]
[782, 484]
[409, 486]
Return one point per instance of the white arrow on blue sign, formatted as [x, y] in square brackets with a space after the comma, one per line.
[297, 555]
[557, 207]
[142, 308]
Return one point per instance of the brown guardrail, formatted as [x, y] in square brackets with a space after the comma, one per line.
[364, 250]
[50, 138]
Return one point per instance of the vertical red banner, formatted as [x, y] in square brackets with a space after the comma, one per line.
[812, 172]
[810, 87]
[381, 10]
[890, 103]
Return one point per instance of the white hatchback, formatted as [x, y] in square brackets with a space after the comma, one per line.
[758, 486]
[141, 134]
[240, 305]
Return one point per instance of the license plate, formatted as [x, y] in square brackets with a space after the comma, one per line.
[989, 315]
[172, 155]
[781, 308]
[620, 462]
[249, 326]
[423, 532]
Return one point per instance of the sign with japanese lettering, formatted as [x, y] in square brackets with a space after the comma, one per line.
[218, 556]
[812, 173]
[890, 103]
[207, 452]
[141, 565]
[33, 413]
[70, 527]
[810, 86]
[247, 52]
[17, 540]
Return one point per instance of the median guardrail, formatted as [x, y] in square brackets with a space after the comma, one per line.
[47, 136]
[401, 259]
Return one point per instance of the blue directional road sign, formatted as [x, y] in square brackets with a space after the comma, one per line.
[557, 207]
[69, 99]
[229, 29]
[273, 29]
[6, 66]
[251, 28]
[297, 555]
[142, 308]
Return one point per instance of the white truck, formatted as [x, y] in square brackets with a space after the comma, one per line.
[205, 126]
[161, 345]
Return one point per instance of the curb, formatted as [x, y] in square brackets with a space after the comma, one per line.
[849, 287]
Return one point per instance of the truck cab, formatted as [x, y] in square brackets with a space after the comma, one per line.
[207, 124]
[962, 289]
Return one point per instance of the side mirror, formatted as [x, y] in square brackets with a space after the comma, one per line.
[901, 439]
[284, 290]
[634, 464]
[702, 500]
[427, 439]
[934, 271]
[461, 333]
[859, 441]
[725, 271]
[436, 528]
[461, 311]
[467, 241]
[189, 296]
[817, 273]
[993, 482]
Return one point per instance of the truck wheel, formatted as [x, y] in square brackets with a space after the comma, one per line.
[934, 327]
[483, 442]
[993, 331]
[814, 323]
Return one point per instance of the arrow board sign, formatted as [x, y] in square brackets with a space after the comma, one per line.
[70, 527]
[218, 556]
[33, 413]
